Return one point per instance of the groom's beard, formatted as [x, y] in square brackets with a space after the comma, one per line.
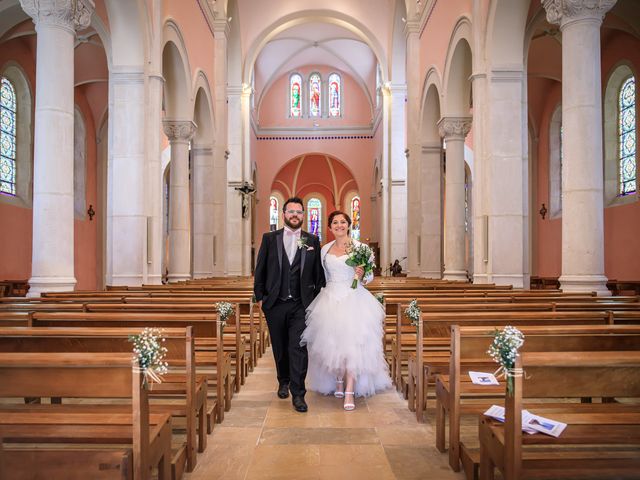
[294, 226]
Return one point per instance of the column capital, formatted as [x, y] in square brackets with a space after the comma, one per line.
[562, 11]
[179, 130]
[71, 14]
[454, 128]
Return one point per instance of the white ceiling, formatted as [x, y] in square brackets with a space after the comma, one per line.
[315, 44]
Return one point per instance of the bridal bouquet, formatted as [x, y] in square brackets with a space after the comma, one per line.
[360, 256]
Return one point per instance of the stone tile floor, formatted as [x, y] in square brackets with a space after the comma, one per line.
[262, 437]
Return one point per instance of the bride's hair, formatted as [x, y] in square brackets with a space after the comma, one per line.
[332, 215]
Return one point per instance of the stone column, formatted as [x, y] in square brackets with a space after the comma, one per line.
[179, 133]
[153, 130]
[235, 223]
[53, 243]
[203, 192]
[454, 130]
[582, 181]
[398, 193]
[221, 33]
[430, 179]
[414, 167]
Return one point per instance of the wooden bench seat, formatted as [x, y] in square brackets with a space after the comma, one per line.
[188, 389]
[81, 375]
[600, 445]
[469, 346]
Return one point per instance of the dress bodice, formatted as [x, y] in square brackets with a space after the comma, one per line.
[336, 270]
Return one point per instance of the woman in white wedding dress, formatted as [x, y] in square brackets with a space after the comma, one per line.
[345, 327]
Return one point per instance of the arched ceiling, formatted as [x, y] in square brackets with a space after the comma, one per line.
[315, 43]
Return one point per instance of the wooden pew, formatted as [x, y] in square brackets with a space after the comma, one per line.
[594, 445]
[216, 365]
[468, 352]
[423, 367]
[79, 375]
[180, 384]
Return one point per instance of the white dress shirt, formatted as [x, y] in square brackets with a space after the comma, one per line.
[290, 239]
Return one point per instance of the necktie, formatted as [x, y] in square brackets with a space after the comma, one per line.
[291, 238]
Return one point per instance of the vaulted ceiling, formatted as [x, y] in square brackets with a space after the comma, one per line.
[315, 44]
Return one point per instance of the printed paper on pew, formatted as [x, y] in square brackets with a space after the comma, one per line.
[497, 412]
[546, 425]
[481, 378]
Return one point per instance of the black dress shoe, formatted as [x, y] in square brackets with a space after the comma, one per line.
[299, 404]
[283, 390]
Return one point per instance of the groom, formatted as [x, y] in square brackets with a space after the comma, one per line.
[288, 276]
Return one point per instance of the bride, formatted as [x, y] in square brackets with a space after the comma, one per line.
[345, 327]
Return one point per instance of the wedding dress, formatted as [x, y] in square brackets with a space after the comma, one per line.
[345, 331]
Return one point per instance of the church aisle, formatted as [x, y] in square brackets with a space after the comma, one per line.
[262, 437]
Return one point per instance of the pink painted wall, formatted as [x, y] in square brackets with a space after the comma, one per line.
[621, 223]
[271, 155]
[274, 109]
[91, 99]
[198, 38]
[434, 42]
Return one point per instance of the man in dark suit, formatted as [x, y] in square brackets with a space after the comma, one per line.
[288, 276]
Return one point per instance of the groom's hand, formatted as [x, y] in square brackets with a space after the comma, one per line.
[359, 272]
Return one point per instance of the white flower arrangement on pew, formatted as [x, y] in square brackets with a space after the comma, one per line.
[225, 309]
[149, 354]
[504, 351]
[380, 298]
[413, 312]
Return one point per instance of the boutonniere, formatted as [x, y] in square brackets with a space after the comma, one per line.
[302, 243]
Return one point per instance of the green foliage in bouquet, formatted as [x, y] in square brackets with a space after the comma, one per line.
[360, 256]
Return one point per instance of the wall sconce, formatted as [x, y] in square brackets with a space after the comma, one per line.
[543, 211]
[91, 212]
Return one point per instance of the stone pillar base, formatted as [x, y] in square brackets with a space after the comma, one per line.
[179, 277]
[455, 275]
[437, 274]
[154, 280]
[38, 285]
[585, 284]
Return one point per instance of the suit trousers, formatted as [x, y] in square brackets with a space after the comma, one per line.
[286, 322]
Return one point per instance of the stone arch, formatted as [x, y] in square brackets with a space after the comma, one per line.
[458, 69]
[129, 32]
[178, 98]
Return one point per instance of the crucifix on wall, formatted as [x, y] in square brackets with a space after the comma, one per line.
[246, 190]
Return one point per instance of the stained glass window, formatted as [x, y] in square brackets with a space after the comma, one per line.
[315, 89]
[295, 94]
[355, 218]
[335, 95]
[627, 136]
[273, 214]
[7, 137]
[314, 217]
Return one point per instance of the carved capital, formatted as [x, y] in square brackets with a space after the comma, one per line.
[562, 11]
[452, 128]
[71, 14]
[179, 130]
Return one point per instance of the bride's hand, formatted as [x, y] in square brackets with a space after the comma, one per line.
[359, 272]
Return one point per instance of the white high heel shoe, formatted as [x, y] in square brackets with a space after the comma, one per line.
[338, 393]
[349, 406]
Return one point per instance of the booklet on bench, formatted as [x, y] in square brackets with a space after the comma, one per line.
[530, 423]
[482, 378]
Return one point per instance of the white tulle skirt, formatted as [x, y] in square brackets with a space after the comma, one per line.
[345, 332]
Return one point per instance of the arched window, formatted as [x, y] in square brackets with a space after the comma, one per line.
[314, 217]
[295, 96]
[273, 213]
[335, 95]
[8, 108]
[627, 137]
[355, 218]
[315, 95]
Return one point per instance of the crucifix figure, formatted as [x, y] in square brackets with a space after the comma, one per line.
[246, 190]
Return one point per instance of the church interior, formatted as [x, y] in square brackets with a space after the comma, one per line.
[486, 150]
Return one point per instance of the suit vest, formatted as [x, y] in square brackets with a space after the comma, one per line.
[290, 277]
